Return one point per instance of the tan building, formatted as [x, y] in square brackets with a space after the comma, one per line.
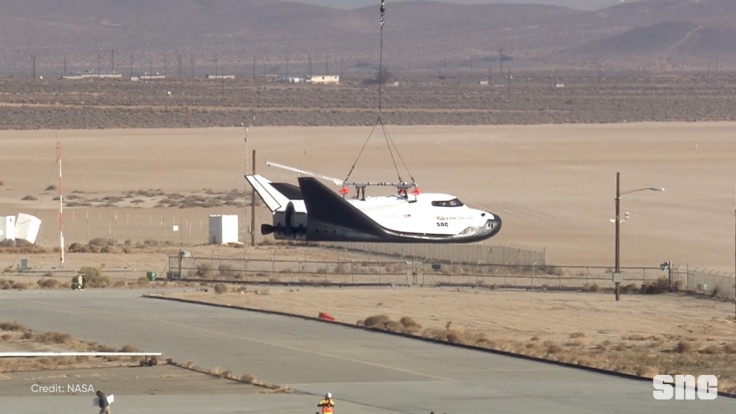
[325, 79]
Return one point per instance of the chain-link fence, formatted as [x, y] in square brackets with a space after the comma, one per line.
[448, 252]
[702, 281]
[439, 273]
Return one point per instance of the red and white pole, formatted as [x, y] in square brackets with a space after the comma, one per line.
[61, 207]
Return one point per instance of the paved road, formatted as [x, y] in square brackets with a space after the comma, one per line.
[367, 372]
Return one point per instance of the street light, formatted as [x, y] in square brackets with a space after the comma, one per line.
[617, 220]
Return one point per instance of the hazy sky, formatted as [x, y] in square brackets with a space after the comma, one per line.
[577, 4]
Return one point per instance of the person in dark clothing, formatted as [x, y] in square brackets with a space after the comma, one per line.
[102, 402]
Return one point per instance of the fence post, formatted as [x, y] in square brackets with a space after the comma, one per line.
[477, 274]
[532, 285]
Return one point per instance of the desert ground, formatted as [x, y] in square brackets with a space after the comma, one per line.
[553, 186]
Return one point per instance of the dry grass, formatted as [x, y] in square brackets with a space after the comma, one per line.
[685, 347]
[55, 338]
[636, 355]
[20, 337]
[8, 284]
[229, 375]
[729, 348]
[48, 283]
[13, 326]
[95, 278]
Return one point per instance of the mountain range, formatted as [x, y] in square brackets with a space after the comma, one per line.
[282, 37]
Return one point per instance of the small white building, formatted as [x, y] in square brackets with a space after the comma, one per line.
[7, 228]
[325, 79]
[27, 227]
[223, 229]
[216, 77]
[92, 75]
[148, 77]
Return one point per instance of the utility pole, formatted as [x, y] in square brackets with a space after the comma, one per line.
[61, 207]
[617, 218]
[33, 66]
[500, 61]
[253, 205]
[617, 277]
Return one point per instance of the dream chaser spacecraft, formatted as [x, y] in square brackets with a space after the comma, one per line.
[313, 212]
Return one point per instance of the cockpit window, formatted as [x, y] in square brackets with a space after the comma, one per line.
[448, 203]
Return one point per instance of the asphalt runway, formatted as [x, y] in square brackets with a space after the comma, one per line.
[366, 372]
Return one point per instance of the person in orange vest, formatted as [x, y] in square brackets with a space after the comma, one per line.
[326, 404]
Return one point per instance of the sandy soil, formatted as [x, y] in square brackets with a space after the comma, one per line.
[553, 185]
[503, 314]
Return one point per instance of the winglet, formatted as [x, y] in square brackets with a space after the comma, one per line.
[273, 198]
